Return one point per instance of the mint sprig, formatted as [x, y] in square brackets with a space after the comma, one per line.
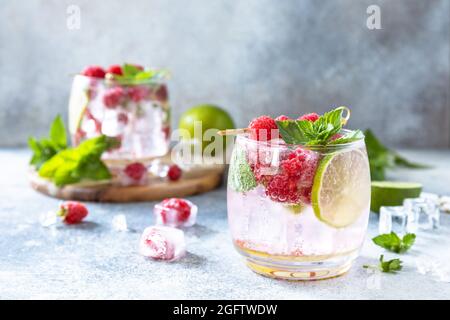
[240, 176]
[392, 242]
[80, 163]
[133, 75]
[389, 266]
[45, 148]
[318, 133]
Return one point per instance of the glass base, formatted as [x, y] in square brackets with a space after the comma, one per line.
[299, 268]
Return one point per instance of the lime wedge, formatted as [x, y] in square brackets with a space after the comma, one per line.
[77, 107]
[341, 189]
[390, 193]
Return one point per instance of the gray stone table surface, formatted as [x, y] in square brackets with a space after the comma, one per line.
[92, 261]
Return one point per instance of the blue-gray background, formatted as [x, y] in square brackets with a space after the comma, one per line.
[249, 56]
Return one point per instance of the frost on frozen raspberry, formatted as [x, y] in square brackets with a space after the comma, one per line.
[72, 212]
[310, 117]
[175, 212]
[263, 128]
[162, 243]
[134, 174]
[94, 71]
[113, 97]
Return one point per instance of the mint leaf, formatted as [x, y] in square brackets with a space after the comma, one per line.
[45, 148]
[130, 70]
[81, 163]
[240, 178]
[392, 242]
[319, 132]
[132, 75]
[382, 158]
[390, 266]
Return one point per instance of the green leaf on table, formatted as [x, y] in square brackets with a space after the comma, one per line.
[390, 266]
[45, 148]
[80, 163]
[392, 242]
[240, 178]
[382, 158]
[318, 133]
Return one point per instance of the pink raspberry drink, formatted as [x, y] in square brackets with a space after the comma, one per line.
[129, 103]
[300, 211]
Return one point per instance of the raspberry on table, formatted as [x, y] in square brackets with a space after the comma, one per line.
[175, 212]
[113, 97]
[115, 69]
[162, 243]
[313, 117]
[263, 128]
[72, 212]
[94, 71]
[135, 171]
[174, 173]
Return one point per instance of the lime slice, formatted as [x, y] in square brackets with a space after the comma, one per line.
[341, 189]
[390, 193]
[77, 107]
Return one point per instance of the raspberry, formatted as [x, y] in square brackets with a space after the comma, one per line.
[174, 172]
[122, 117]
[283, 188]
[161, 94]
[94, 71]
[166, 131]
[135, 171]
[310, 117]
[115, 69]
[180, 207]
[72, 212]
[263, 128]
[138, 93]
[113, 97]
[282, 118]
[154, 244]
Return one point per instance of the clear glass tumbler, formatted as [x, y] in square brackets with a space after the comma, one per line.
[136, 113]
[298, 212]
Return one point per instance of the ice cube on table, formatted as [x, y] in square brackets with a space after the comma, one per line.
[48, 219]
[162, 243]
[423, 213]
[158, 168]
[393, 219]
[119, 223]
[175, 216]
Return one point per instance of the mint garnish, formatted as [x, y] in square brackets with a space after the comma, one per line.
[133, 75]
[240, 178]
[390, 266]
[46, 148]
[318, 133]
[392, 242]
[82, 162]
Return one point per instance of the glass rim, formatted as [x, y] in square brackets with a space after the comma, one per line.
[123, 82]
[332, 147]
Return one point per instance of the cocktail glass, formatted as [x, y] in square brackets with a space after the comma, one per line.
[136, 113]
[298, 212]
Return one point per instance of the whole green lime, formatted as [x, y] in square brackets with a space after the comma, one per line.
[209, 117]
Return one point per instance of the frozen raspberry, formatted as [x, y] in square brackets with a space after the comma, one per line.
[115, 69]
[310, 117]
[138, 93]
[162, 243]
[135, 171]
[122, 118]
[263, 128]
[166, 131]
[175, 212]
[94, 71]
[72, 212]
[161, 94]
[113, 97]
[174, 172]
[282, 118]
[283, 188]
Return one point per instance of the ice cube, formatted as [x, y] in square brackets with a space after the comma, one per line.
[119, 223]
[48, 219]
[158, 168]
[392, 219]
[175, 212]
[162, 243]
[423, 213]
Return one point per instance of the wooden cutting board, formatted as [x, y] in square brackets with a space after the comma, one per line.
[195, 181]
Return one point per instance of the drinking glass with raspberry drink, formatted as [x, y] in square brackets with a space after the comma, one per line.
[299, 195]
